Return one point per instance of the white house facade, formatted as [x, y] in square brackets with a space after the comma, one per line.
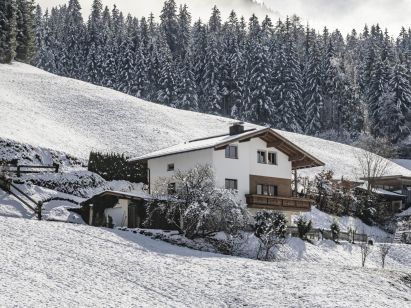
[258, 163]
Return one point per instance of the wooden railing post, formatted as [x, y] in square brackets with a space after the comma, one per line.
[39, 210]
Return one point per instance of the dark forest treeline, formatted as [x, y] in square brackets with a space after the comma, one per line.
[277, 73]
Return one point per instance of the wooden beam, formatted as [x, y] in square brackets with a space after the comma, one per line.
[275, 144]
[296, 158]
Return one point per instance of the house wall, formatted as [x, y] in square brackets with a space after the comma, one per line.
[239, 169]
[182, 161]
[119, 213]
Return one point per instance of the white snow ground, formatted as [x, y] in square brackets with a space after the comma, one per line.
[73, 116]
[63, 265]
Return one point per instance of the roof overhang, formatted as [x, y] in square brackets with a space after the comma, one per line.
[118, 194]
[390, 180]
[299, 158]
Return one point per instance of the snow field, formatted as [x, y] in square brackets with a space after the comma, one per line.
[65, 265]
[43, 109]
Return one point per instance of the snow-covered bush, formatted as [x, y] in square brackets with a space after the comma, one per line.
[270, 229]
[304, 226]
[335, 230]
[196, 207]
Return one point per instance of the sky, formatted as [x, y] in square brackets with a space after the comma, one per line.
[347, 14]
[342, 14]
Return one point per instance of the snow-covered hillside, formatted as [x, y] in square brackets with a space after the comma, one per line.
[73, 116]
[64, 265]
[406, 163]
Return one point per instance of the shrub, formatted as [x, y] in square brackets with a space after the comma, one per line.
[114, 166]
[335, 230]
[304, 227]
[270, 228]
[197, 208]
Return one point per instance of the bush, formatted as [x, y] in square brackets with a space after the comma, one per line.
[304, 227]
[115, 167]
[270, 228]
[197, 208]
[335, 230]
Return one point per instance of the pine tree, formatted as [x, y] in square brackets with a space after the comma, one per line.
[312, 96]
[8, 12]
[45, 44]
[186, 89]
[210, 81]
[288, 90]
[166, 92]
[73, 43]
[183, 32]
[169, 25]
[95, 41]
[25, 38]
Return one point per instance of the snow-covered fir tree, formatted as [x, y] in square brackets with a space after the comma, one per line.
[284, 76]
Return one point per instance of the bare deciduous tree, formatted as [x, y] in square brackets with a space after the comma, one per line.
[365, 252]
[384, 249]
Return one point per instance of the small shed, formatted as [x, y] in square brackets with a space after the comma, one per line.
[125, 209]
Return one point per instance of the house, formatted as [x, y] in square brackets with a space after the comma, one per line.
[125, 209]
[258, 163]
[396, 187]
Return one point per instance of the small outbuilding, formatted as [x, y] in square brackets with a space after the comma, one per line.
[125, 209]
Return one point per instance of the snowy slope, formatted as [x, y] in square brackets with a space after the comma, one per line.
[406, 163]
[63, 265]
[73, 116]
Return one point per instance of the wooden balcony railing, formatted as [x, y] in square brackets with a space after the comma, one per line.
[278, 203]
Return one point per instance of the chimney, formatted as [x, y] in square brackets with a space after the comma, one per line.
[237, 128]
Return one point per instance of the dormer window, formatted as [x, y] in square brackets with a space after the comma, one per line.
[231, 151]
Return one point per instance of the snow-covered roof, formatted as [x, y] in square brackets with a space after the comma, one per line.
[195, 145]
[380, 191]
[121, 194]
[304, 159]
[405, 213]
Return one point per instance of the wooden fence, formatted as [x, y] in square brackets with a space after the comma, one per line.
[317, 234]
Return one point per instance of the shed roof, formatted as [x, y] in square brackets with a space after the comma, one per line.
[300, 159]
[120, 194]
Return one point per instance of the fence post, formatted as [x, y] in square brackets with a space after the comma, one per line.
[18, 171]
[57, 167]
[39, 209]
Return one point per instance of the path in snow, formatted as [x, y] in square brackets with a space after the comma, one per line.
[62, 265]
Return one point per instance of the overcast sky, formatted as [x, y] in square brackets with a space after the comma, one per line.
[347, 14]
[342, 14]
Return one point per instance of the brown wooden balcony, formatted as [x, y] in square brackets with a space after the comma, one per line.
[278, 203]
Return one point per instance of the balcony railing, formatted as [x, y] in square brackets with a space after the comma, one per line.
[278, 203]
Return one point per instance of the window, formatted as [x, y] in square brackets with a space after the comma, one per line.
[231, 151]
[231, 184]
[170, 167]
[272, 158]
[267, 190]
[171, 189]
[261, 157]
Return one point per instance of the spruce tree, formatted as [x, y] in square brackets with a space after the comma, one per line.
[25, 38]
[8, 31]
[312, 95]
[169, 25]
